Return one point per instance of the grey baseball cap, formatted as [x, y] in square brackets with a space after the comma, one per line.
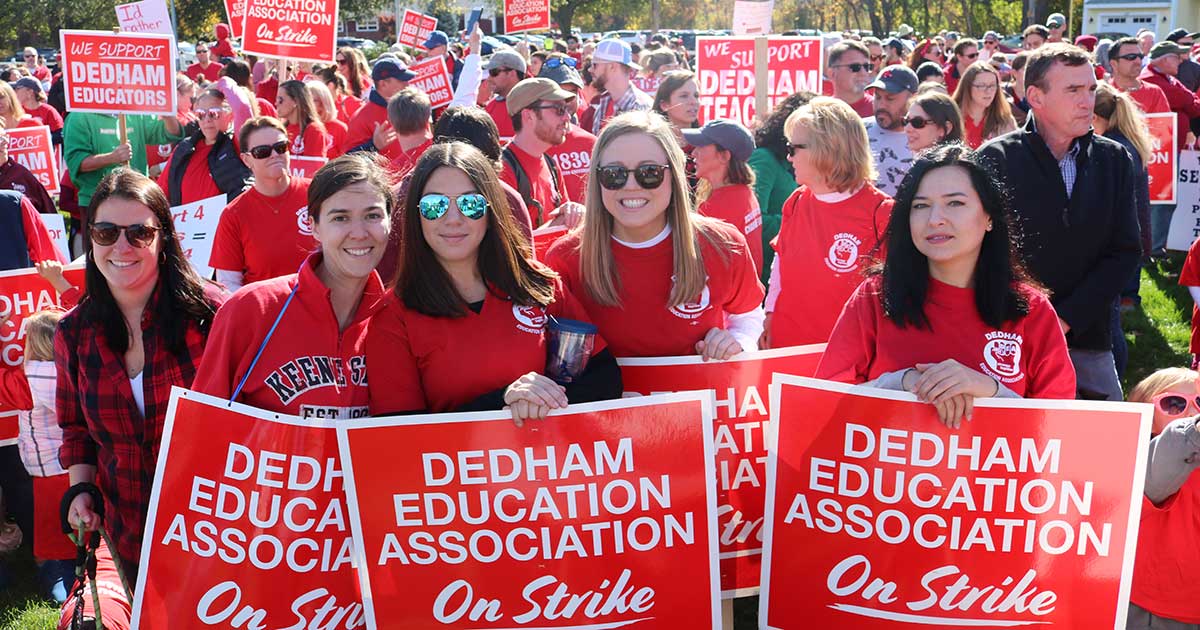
[727, 134]
[507, 58]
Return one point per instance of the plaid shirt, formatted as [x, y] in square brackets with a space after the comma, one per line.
[633, 100]
[100, 421]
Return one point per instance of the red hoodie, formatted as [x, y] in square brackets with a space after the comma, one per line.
[222, 48]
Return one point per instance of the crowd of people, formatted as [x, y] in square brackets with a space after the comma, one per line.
[936, 195]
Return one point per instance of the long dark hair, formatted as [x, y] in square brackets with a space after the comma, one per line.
[998, 272]
[504, 254]
[770, 135]
[304, 104]
[181, 299]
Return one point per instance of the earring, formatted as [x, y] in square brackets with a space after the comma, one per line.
[989, 226]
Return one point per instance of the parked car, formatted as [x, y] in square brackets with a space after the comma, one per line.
[185, 56]
[629, 37]
[353, 42]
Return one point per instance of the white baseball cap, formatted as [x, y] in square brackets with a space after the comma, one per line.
[616, 51]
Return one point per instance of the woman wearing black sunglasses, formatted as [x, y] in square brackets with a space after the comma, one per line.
[470, 292]
[206, 163]
[933, 118]
[657, 278]
[140, 328]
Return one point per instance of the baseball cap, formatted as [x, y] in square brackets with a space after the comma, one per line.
[616, 51]
[529, 91]
[27, 82]
[904, 31]
[561, 74]
[727, 134]
[991, 36]
[391, 68]
[1056, 20]
[1162, 49]
[436, 38]
[1087, 42]
[1176, 34]
[896, 79]
[894, 43]
[506, 58]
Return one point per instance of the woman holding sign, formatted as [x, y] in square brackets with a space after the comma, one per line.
[657, 278]
[139, 330]
[469, 291]
[295, 344]
[206, 163]
[951, 315]
[295, 108]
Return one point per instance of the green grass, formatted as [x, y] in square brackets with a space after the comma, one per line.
[21, 607]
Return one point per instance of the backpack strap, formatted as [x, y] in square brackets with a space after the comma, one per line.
[560, 195]
[523, 186]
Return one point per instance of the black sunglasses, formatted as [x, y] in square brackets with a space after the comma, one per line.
[792, 148]
[263, 151]
[1131, 57]
[648, 176]
[138, 235]
[495, 72]
[917, 122]
[559, 108]
[972, 55]
[858, 67]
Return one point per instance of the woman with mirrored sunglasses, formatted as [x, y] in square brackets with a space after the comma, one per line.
[206, 163]
[316, 318]
[1163, 594]
[933, 118]
[470, 293]
[832, 225]
[140, 328]
[657, 278]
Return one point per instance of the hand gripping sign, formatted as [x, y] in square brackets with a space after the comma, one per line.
[31, 147]
[882, 517]
[415, 29]
[601, 516]
[118, 73]
[726, 76]
[247, 524]
[526, 15]
[740, 389]
[296, 29]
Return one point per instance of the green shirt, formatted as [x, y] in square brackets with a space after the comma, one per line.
[86, 134]
[773, 184]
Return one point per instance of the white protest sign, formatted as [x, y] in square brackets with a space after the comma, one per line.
[752, 17]
[196, 226]
[58, 231]
[1185, 223]
[147, 16]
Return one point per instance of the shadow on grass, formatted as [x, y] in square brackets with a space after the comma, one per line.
[1159, 332]
[21, 607]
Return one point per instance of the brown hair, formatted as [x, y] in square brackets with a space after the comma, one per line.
[845, 46]
[1041, 60]
[39, 334]
[997, 117]
[356, 69]
[941, 109]
[668, 83]
[408, 110]
[307, 112]
[256, 123]
[505, 258]
[347, 170]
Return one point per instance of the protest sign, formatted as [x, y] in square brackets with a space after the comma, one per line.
[118, 73]
[245, 523]
[752, 17]
[725, 73]
[546, 236]
[601, 516]
[305, 166]
[195, 227]
[740, 388]
[305, 30]
[648, 85]
[526, 15]
[147, 16]
[433, 79]
[31, 147]
[9, 427]
[22, 293]
[1185, 221]
[1161, 165]
[236, 11]
[56, 227]
[415, 29]
[882, 517]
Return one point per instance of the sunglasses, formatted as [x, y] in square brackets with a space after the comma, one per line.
[558, 108]
[916, 122]
[434, 206]
[202, 51]
[138, 235]
[559, 61]
[211, 114]
[263, 151]
[858, 67]
[648, 176]
[341, 62]
[495, 72]
[1132, 57]
[972, 55]
[792, 148]
[877, 58]
[30, 56]
[1175, 404]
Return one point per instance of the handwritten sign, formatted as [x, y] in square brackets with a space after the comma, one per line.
[195, 227]
[118, 73]
[752, 17]
[147, 16]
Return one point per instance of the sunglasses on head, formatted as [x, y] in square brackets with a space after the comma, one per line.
[434, 206]
[792, 148]
[1174, 404]
[648, 176]
[263, 151]
[858, 67]
[559, 61]
[210, 114]
[916, 122]
[138, 235]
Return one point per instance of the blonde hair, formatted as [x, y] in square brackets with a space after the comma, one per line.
[838, 142]
[15, 111]
[997, 118]
[322, 99]
[596, 259]
[39, 334]
[1124, 115]
[1159, 382]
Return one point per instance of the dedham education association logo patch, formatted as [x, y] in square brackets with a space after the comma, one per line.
[843, 253]
[531, 319]
[1002, 356]
[692, 310]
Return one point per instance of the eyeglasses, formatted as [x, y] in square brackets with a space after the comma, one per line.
[916, 122]
[263, 151]
[561, 109]
[648, 176]
[495, 72]
[1175, 404]
[1131, 57]
[857, 67]
[211, 114]
[985, 87]
[434, 206]
[792, 148]
[877, 58]
[138, 235]
[559, 61]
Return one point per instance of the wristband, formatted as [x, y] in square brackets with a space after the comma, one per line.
[64, 507]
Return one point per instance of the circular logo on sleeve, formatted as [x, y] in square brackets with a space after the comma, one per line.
[843, 253]
[304, 222]
[1002, 356]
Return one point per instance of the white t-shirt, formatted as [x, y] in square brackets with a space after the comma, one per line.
[892, 156]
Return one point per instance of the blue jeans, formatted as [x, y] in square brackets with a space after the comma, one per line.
[1120, 349]
[1096, 374]
[1160, 225]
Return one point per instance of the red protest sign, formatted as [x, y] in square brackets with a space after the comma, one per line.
[601, 516]
[725, 73]
[304, 30]
[31, 147]
[546, 236]
[118, 73]
[306, 167]
[433, 79]
[1162, 162]
[740, 387]
[245, 523]
[882, 517]
[9, 427]
[526, 15]
[415, 29]
[22, 293]
[236, 10]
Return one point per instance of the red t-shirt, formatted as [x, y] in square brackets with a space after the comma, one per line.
[1164, 570]
[865, 106]
[406, 160]
[1029, 356]
[972, 132]
[822, 249]
[211, 73]
[347, 107]
[267, 90]
[266, 108]
[265, 237]
[308, 368]
[498, 110]
[1150, 98]
[336, 130]
[573, 159]
[1189, 276]
[47, 115]
[643, 325]
[197, 177]
[542, 188]
[415, 362]
[362, 128]
[311, 144]
[736, 205]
